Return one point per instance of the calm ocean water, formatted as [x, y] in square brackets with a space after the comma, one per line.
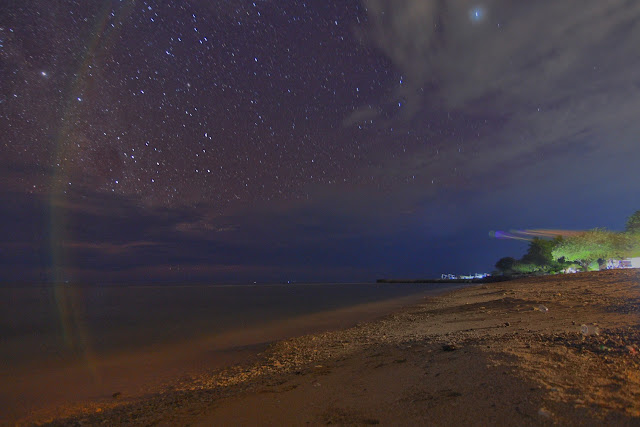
[45, 322]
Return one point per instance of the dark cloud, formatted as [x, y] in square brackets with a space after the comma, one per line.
[107, 247]
[109, 237]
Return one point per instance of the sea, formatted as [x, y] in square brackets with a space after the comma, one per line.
[61, 319]
[83, 341]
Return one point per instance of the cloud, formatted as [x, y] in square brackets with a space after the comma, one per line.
[536, 81]
[108, 247]
[522, 50]
[359, 115]
[111, 238]
[207, 226]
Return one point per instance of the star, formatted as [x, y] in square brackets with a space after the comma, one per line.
[477, 14]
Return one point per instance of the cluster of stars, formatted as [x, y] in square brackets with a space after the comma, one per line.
[185, 103]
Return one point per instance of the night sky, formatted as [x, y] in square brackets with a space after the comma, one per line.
[240, 141]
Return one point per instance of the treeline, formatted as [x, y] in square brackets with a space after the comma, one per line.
[590, 250]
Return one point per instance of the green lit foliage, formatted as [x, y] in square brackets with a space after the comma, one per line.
[632, 230]
[591, 246]
[537, 259]
[526, 268]
[589, 250]
[594, 266]
[634, 244]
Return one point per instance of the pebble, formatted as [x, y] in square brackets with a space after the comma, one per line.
[544, 413]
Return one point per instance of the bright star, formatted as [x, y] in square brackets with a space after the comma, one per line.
[477, 14]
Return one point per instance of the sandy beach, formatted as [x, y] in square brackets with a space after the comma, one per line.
[546, 350]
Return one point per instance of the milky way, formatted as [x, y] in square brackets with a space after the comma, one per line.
[194, 102]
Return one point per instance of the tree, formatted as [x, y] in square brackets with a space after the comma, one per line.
[593, 245]
[539, 252]
[505, 264]
[633, 223]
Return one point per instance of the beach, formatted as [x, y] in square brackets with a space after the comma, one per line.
[561, 349]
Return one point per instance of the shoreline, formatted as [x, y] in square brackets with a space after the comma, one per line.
[48, 390]
[488, 279]
[501, 353]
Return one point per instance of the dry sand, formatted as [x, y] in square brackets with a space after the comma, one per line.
[509, 353]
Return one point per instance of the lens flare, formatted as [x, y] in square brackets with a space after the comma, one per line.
[68, 297]
[529, 235]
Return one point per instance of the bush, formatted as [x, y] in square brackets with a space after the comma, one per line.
[526, 268]
[505, 264]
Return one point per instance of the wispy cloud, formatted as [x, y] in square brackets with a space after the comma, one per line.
[204, 226]
[537, 80]
[521, 50]
[360, 115]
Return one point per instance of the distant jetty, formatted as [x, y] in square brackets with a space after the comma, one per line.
[488, 279]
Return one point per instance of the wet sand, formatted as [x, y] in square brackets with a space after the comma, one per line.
[509, 353]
